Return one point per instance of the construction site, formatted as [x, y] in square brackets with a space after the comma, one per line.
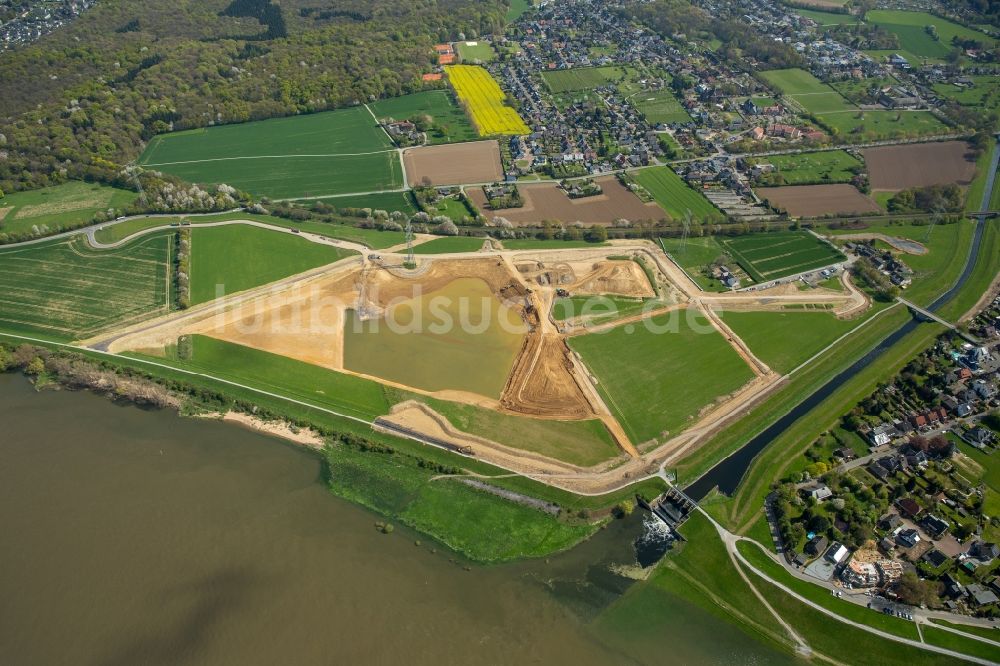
[521, 355]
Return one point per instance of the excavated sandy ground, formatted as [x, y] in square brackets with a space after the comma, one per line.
[547, 381]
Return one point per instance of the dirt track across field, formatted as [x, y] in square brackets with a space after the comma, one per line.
[452, 164]
[817, 200]
[546, 201]
[894, 168]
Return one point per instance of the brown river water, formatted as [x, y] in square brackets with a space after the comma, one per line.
[137, 537]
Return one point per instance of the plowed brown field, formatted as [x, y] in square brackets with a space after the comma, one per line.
[893, 168]
[817, 200]
[453, 164]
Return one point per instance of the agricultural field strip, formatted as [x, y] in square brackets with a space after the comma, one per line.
[767, 258]
[48, 291]
[268, 157]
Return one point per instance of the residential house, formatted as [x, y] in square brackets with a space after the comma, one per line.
[908, 538]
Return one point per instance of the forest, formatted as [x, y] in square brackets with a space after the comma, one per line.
[81, 102]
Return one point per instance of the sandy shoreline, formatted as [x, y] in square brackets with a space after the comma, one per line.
[301, 436]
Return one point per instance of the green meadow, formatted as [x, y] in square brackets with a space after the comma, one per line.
[58, 207]
[829, 166]
[335, 152]
[450, 121]
[914, 38]
[655, 379]
[580, 78]
[225, 260]
[673, 195]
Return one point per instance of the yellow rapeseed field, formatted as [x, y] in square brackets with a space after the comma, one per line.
[484, 99]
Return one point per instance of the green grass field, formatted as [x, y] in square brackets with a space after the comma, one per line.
[694, 255]
[452, 123]
[51, 209]
[225, 260]
[335, 152]
[660, 107]
[453, 244]
[985, 92]
[595, 308]
[697, 595]
[883, 124]
[673, 195]
[518, 7]
[580, 78]
[354, 396]
[770, 256]
[784, 340]
[583, 443]
[388, 201]
[910, 28]
[112, 233]
[830, 166]
[795, 82]
[843, 118]
[480, 526]
[655, 380]
[66, 290]
[473, 51]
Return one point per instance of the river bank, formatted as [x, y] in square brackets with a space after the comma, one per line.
[198, 542]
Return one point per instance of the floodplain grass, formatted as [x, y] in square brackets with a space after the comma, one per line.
[452, 125]
[581, 78]
[660, 107]
[485, 101]
[673, 195]
[235, 258]
[910, 28]
[582, 443]
[469, 521]
[58, 207]
[334, 152]
[961, 644]
[67, 290]
[829, 637]
[828, 166]
[347, 394]
[685, 367]
[695, 578]
[784, 340]
[774, 255]
[548, 244]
